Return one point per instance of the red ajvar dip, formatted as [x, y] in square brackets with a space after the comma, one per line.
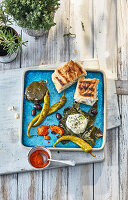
[36, 159]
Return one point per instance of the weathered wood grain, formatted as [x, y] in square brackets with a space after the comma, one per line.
[80, 183]
[122, 16]
[57, 46]
[106, 178]
[57, 179]
[122, 87]
[30, 186]
[8, 187]
[105, 35]
[81, 46]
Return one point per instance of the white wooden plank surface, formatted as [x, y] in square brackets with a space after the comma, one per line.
[81, 46]
[80, 183]
[8, 183]
[105, 35]
[101, 188]
[106, 178]
[8, 187]
[30, 186]
[58, 182]
[122, 16]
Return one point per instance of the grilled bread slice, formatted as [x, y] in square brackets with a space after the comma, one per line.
[65, 76]
[87, 91]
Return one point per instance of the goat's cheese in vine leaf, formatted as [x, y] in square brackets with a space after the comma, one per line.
[91, 133]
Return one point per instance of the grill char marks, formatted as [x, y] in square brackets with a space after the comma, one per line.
[92, 89]
[79, 68]
[87, 95]
[59, 81]
[61, 74]
[86, 88]
[86, 91]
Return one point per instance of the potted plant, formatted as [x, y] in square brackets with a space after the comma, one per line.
[10, 41]
[35, 17]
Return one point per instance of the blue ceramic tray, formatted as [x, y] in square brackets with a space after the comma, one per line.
[36, 140]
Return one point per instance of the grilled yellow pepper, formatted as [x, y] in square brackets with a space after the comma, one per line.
[58, 105]
[84, 145]
[31, 124]
[45, 109]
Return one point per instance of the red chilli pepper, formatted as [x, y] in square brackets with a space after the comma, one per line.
[43, 130]
[47, 137]
[57, 129]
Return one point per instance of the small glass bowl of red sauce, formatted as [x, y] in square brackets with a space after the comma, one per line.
[35, 159]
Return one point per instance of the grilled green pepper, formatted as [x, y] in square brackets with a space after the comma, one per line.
[58, 105]
[45, 109]
[31, 124]
[84, 145]
[55, 106]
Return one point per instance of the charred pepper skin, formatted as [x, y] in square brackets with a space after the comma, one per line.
[84, 145]
[45, 109]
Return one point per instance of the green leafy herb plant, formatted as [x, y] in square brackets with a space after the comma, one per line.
[10, 41]
[34, 15]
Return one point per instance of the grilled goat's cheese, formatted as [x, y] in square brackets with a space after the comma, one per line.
[64, 76]
[87, 91]
[76, 123]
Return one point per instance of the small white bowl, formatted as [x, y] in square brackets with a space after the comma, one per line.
[39, 148]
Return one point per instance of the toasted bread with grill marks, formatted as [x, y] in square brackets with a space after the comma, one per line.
[87, 91]
[65, 76]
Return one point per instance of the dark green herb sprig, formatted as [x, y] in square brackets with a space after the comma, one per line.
[82, 24]
[10, 41]
[33, 14]
[69, 34]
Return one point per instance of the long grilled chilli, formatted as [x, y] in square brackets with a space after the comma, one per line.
[52, 109]
[58, 105]
[45, 109]
[55, 106]
[43, 113]
[84, 145]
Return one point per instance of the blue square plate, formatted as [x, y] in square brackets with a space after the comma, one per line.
[39, 74]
